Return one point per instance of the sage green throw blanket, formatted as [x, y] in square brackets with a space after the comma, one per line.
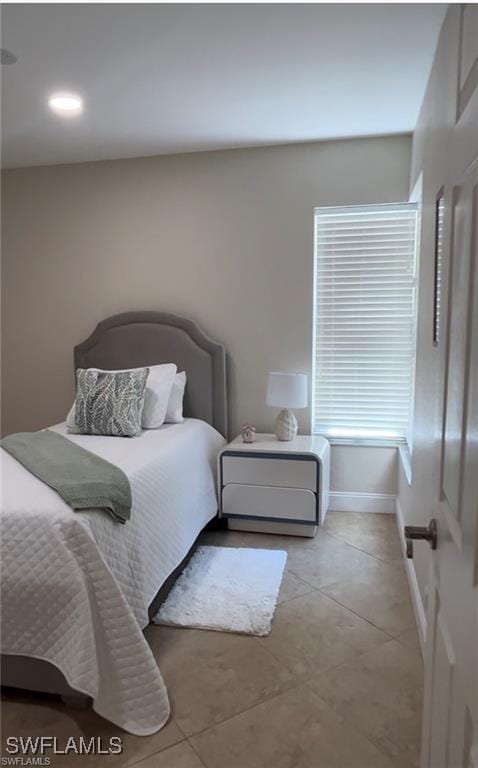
[83, 479]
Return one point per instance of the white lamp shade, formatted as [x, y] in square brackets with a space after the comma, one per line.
[287, 390]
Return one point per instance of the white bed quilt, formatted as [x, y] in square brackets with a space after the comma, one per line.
[76, 586]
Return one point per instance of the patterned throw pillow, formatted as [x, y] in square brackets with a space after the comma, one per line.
[110, 403]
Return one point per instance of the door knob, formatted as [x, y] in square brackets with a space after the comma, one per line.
[427, 532]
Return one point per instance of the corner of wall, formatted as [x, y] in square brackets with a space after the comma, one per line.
[415, 594]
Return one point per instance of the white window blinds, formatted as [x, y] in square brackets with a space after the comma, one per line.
[364, 343]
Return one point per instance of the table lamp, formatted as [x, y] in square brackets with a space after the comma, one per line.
[286, 391]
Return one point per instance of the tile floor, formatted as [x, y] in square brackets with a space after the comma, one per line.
[337, 684]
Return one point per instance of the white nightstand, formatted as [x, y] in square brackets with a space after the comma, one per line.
[273, 486]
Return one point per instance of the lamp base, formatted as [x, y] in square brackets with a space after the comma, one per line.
[286, 425]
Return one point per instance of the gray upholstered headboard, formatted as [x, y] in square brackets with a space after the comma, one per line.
[136, 339]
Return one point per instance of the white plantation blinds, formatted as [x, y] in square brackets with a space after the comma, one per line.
[364, 320]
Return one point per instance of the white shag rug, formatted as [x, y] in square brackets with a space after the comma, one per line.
[226, 589]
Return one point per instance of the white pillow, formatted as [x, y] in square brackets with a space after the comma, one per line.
[158, 389]
[174, 413]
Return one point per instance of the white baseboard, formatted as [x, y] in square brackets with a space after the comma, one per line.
[341, 501]
[417, 602]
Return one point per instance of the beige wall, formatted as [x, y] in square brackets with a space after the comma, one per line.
[363, 469]
[223, 237]
[429, 158]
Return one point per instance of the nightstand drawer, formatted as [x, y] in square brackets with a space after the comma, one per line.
[258, 470]
[260, 501]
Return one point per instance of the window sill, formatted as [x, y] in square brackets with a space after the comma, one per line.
[406, 461]
[365, 442]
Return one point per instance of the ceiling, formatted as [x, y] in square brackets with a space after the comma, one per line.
[178, 78]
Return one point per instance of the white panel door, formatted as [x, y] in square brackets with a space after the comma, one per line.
[450, 729]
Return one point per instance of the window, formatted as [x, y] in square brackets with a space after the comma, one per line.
[364, 326]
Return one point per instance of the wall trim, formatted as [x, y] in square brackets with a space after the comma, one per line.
[343, 501]
[417, 602]
[405, 458]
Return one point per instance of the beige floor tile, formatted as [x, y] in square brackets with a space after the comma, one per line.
[312, 632]
[329, 561]
[380, 595]
[38, 714]
[180, 756]
[293, 730]
[236, 696]
[135, 748]
[380, 695]
[23, 711]
[292, 587]
[410, 638]
[213, 675]
[31, 714]
[375, 534]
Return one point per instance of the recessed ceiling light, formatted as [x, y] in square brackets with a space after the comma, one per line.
[66, 104]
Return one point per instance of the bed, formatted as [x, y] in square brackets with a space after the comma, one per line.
[79, 589]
